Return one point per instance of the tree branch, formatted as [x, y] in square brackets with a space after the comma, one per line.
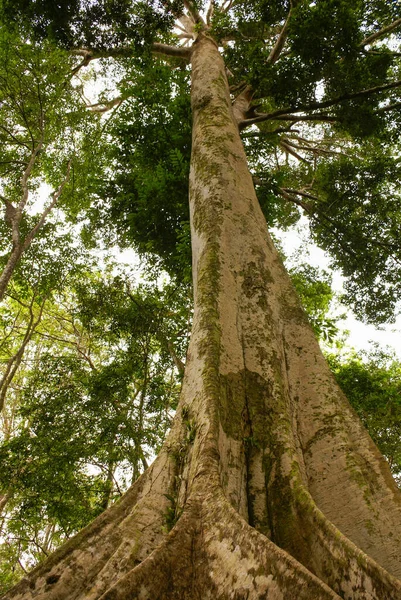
[193, 11]
[270, 133]
[291, 151]
[299, 193]
[175, 51]
[316, 117]
[87, 58]
[285, 193]
[311, 148]
[389, 107]
[229, 4]
[279, 45]
[26, 175]
[128, 52]
[210, 11]
[15, 361]
[375, 36]
[103, 107]
[290, 110]
[52, 204]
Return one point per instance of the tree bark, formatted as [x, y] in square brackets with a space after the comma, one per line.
[267, 486]
[9, 269]
[20, 246]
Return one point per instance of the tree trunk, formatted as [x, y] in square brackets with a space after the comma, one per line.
[267, 486]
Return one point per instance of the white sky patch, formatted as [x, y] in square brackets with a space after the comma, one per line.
[39, 199]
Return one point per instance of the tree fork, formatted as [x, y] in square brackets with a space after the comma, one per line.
[261, 430]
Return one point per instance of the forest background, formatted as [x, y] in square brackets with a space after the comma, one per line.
[92, 352]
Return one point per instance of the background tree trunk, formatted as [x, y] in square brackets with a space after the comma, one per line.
[267, 485]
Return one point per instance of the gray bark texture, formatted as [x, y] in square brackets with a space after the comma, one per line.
[268, 486]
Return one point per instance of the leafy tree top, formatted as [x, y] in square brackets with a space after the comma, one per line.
[315, 90]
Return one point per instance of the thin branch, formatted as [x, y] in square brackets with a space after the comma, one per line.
[317, 105]
[295, 200]
[314, 149]
[15, 361]
[323, 118]
[75, 344]
[32, 541]
[389, 107]
[299, 193]
[375, 36]
[13, 137]
[27, 173]
[102, 107]
[42, 219]
[270, 133]
[291, 151]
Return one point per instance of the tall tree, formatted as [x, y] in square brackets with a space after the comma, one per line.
[268, 484]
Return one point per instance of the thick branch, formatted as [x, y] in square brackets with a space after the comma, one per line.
[3, 501]
[228, 4]
[128, 52]
[210, 12]
[175, 51]
[87, 57]
[279, 45]
[241, 104]
[193, 11]
[180, 366]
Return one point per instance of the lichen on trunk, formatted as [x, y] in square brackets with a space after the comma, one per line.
[267, 486]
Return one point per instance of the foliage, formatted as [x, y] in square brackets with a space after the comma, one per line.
[98, 387]
[326, 141]
[145, 200]
[76, 22]
[48, 139]
[314, 290]
[372, 383]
